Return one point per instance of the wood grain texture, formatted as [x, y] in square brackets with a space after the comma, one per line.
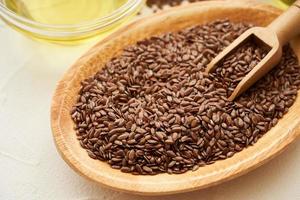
[65, 95]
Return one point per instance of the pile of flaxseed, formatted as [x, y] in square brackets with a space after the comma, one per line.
[154, 110]
[236, 65]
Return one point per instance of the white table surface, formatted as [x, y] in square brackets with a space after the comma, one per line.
[30, 167]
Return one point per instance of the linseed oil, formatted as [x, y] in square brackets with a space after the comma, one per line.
[63, 11]
[283, 4]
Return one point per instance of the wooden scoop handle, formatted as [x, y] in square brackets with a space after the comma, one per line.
[287, 25]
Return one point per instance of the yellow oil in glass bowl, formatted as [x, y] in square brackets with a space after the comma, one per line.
[63, 11]
[283, 4]
[67, 20]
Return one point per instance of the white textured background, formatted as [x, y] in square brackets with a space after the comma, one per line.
[30, 167]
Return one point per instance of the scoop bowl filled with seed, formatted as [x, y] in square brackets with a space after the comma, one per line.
[138, 113]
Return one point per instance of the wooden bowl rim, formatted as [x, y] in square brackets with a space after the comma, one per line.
[141, 184]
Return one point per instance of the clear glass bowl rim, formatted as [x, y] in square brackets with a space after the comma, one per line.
[63, 30]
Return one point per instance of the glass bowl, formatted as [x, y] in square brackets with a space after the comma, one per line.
[71, 32]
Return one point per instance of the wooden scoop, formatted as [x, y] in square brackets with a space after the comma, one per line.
[274, 36]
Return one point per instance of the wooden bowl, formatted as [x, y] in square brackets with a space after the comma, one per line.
[268, 146]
